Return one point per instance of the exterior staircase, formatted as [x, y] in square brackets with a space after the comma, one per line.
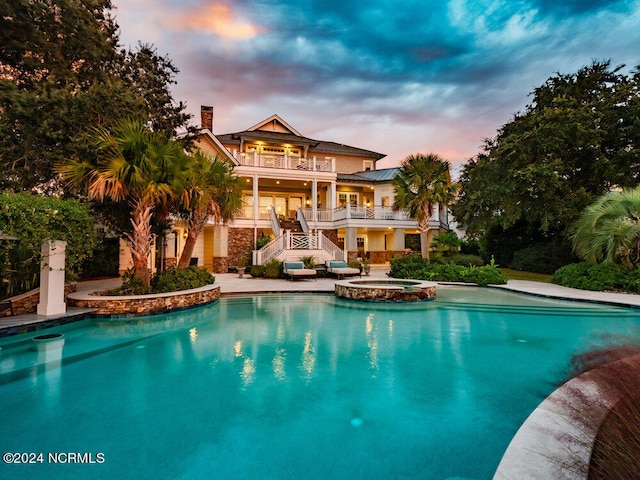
[294, 240]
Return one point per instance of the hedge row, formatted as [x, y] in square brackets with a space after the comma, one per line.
[416, 267]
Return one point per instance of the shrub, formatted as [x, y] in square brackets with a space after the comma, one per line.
[262, 241]
[541, 258]
[632, 281]
[173, 280]
[257, 271]
[467, 259]
[591, 277]
[483, 276]
[416, 267]
[355, 264]
[273, 269]
[130, 285]
[308, 261]
[404, 267]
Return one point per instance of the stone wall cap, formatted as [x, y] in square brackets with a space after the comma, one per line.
[86, 296]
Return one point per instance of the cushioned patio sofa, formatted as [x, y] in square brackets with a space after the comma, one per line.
[296, 270]
[341, 269]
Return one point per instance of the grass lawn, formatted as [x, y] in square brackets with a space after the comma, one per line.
[518, 275]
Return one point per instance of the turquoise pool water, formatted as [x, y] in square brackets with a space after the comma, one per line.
[293, 386]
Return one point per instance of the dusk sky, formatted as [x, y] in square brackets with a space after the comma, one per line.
[396, 77]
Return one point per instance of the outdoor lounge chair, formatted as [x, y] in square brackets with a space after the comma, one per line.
[297, 270]
[340, 269]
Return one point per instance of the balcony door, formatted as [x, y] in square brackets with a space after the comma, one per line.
[344, 197]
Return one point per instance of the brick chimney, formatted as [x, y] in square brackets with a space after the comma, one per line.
[206, 117]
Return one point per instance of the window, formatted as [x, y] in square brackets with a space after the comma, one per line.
[367, 165]
[352, 198]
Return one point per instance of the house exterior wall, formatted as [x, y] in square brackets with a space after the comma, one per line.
[272, 176]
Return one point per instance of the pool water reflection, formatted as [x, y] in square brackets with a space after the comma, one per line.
[297, 386]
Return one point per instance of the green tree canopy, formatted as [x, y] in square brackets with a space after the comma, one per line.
[134, 166]
[32, 219]
[61, 73]
[579, 137]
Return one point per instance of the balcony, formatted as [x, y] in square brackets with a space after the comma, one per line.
[349, 212]
[286, 162]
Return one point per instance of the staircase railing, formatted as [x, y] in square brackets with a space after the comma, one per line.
[275, 223]
[296, 241]
[331, 248]
[303, 221]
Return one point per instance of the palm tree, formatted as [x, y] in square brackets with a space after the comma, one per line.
[422, 182]
[210, 190]
[608, 231]
[134, 165]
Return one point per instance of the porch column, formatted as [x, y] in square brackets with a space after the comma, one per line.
[256, 198]
[52, 278]
[314, 200]
[351, 242]
[331, 193]
[220, 248]
[398, 240]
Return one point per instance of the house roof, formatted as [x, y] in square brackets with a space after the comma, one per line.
[369, 176]
[274, 129]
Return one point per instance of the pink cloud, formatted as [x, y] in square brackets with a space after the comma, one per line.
[219, 19]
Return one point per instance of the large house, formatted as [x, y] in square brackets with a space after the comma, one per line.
[310, 197]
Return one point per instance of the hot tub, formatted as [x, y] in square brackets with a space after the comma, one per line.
[386, 290]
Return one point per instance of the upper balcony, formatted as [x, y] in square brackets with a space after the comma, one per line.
[286, 162]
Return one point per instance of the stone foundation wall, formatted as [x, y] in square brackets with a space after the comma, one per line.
[240, 246]
[385, 256]
[28, 302]
[145, 304]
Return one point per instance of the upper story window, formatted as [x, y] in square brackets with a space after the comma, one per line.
[367, 165]
[273, 150]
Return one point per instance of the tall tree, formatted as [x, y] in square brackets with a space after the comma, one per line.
[211, 190]
[578, 138]
[136, 166]
[61, 73]
[423, 182]
[608, 231]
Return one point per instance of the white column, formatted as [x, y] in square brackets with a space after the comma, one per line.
[350, 240]
[398, 240]
[256, 198]
[52, 278]
[314, 200]
[332, 193]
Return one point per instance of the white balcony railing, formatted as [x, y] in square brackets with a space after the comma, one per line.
[355, 212]
[255, 159]
[341, 213]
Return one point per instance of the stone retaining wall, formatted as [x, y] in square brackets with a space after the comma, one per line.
[145, 304]
[28, 302]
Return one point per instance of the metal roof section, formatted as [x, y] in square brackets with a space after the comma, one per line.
[369, 176]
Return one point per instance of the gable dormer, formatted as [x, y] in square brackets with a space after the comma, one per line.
[274, 124]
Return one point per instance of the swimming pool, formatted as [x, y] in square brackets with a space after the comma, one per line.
[294, 386]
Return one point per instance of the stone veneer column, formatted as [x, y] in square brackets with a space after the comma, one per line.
[220, 248]
[351, 243]
[52, 278]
